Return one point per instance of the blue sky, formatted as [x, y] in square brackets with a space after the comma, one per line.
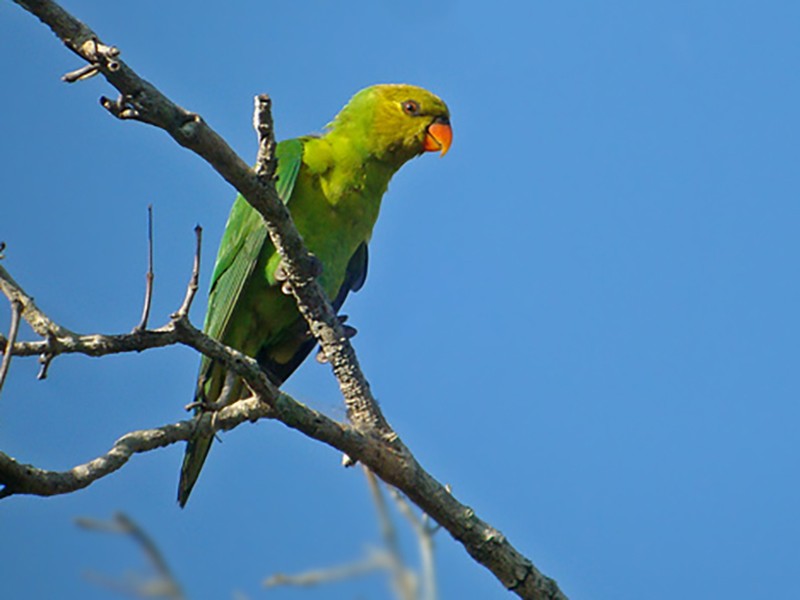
[584, 318]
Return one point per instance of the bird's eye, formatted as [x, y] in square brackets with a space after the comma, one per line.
[411, 107]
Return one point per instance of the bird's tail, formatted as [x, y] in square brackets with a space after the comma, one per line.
[196, 451]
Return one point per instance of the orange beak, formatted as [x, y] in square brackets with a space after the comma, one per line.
[438, 136]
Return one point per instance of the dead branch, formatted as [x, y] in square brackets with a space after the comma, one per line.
[373, 562]
[424, 533]
[191, 290]
[16, 315]
[150, 275]
[404, 580]
[164, 585]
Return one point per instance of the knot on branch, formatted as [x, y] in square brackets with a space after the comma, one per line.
[188, 130]
[99, 56]
[122, 108]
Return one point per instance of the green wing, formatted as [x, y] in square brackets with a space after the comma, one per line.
[242, 243]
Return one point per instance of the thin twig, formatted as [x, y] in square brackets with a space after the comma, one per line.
[165, 585]
[403, 580]
[84, 72]
[191, 289]
[150, 276]
[425, 540]
[375, 561]
[16, 315]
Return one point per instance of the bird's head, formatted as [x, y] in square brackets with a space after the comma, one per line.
[397, 121]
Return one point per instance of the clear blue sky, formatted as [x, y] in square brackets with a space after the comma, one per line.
[584, 318]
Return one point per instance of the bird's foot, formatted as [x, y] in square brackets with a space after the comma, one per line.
[313, 266]
[349, 332]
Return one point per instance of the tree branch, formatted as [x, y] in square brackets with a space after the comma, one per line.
[383, 453]
[404, 581]
[150, 275]
[16, 315]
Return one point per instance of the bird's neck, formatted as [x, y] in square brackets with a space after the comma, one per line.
[355, 167]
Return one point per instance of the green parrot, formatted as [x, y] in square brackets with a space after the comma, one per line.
[333, 185]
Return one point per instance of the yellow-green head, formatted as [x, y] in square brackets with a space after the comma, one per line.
[395, 122]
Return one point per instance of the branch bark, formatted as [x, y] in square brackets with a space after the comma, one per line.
[370, 439]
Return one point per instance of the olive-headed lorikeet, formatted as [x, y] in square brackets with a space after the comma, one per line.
[332, 184]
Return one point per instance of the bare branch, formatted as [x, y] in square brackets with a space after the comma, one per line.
[191, 290]
[16, 314]
[425, 540]
[375, 561]
[148, 292]
[403, 580]
[17, 478]
[164, 585]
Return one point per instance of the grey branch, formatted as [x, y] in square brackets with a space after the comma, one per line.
[424, 535]
[16, 315]
[150, 275]
[404, 581]
[374, 561]
[370, 439]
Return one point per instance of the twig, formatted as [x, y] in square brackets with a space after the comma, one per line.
[148, 291]
[85, 72]
[194, 280]
[16, 314]
[266, 163]
[403, 580]
[375, 561]
[165, 585]
[425, 540]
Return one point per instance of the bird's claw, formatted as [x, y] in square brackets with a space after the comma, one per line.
[349, 332]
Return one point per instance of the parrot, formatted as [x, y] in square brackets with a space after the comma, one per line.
[332, 184]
